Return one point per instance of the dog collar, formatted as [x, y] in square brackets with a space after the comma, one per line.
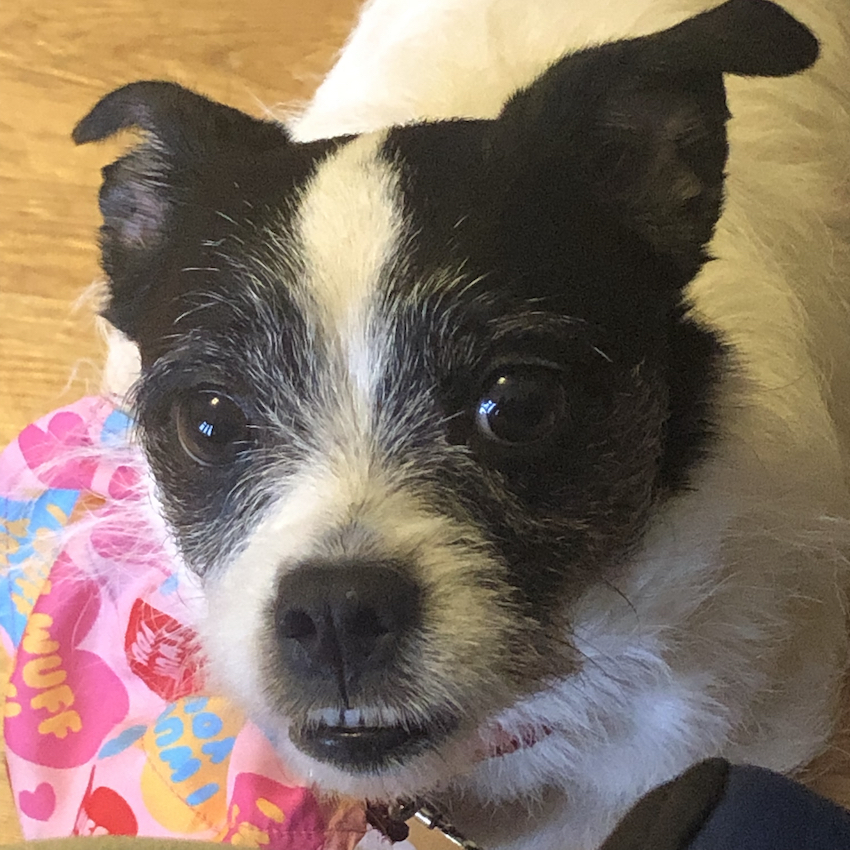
[392, 820]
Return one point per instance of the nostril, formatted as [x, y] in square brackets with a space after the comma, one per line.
[298, 625]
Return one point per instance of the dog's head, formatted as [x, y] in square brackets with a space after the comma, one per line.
[408, 395]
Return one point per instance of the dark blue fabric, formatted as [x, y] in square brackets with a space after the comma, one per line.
[762, 810]
[718, 806]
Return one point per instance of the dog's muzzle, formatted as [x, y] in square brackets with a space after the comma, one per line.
[346, 635]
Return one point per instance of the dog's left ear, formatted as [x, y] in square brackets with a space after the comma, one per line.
[642, 123]
[163, 186]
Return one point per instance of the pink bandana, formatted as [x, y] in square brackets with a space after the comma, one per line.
[109, 728]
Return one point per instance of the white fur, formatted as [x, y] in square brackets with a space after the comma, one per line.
[411, 61]
[732, 640]
[123, 365]
[348, 228]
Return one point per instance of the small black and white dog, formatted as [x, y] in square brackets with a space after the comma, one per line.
[498, 490]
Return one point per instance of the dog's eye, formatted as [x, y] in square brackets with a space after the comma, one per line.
[521, 406]
[211, 427]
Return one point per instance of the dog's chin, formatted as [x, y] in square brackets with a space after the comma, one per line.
[370, 749]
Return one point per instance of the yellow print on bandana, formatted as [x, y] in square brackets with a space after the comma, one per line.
[185, 776]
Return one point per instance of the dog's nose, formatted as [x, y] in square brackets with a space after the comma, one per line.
[339, 624]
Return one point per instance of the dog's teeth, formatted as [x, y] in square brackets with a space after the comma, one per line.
[352, 717]
[329, 717]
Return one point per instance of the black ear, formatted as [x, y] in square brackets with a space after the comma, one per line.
[642, 123]
[146, 193]
[184, 133]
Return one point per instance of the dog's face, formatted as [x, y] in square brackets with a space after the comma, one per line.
[406, 396]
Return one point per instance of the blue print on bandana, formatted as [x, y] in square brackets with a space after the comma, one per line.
[28, 536]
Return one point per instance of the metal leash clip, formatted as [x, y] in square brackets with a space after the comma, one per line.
[430, 817]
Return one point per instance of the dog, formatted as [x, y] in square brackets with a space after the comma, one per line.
[498, 400]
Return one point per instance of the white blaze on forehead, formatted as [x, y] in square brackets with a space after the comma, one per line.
[349, 226]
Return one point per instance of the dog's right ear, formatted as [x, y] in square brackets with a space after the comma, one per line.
[643, 121]
[183, 131]
[146, 191]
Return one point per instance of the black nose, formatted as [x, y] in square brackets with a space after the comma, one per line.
[341, 627]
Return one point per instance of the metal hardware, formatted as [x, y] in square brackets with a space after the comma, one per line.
[428, 815]
[390, 820]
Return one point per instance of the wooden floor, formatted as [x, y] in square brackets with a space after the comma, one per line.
[56, 58]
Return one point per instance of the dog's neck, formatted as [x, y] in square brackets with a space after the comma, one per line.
[392, 820]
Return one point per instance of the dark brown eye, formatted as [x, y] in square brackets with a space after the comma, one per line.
[521, 406]
[211, 427]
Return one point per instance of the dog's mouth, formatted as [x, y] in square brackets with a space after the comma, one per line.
[368, 749]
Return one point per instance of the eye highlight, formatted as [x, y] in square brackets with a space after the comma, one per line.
[521, 406]
[211, 426]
